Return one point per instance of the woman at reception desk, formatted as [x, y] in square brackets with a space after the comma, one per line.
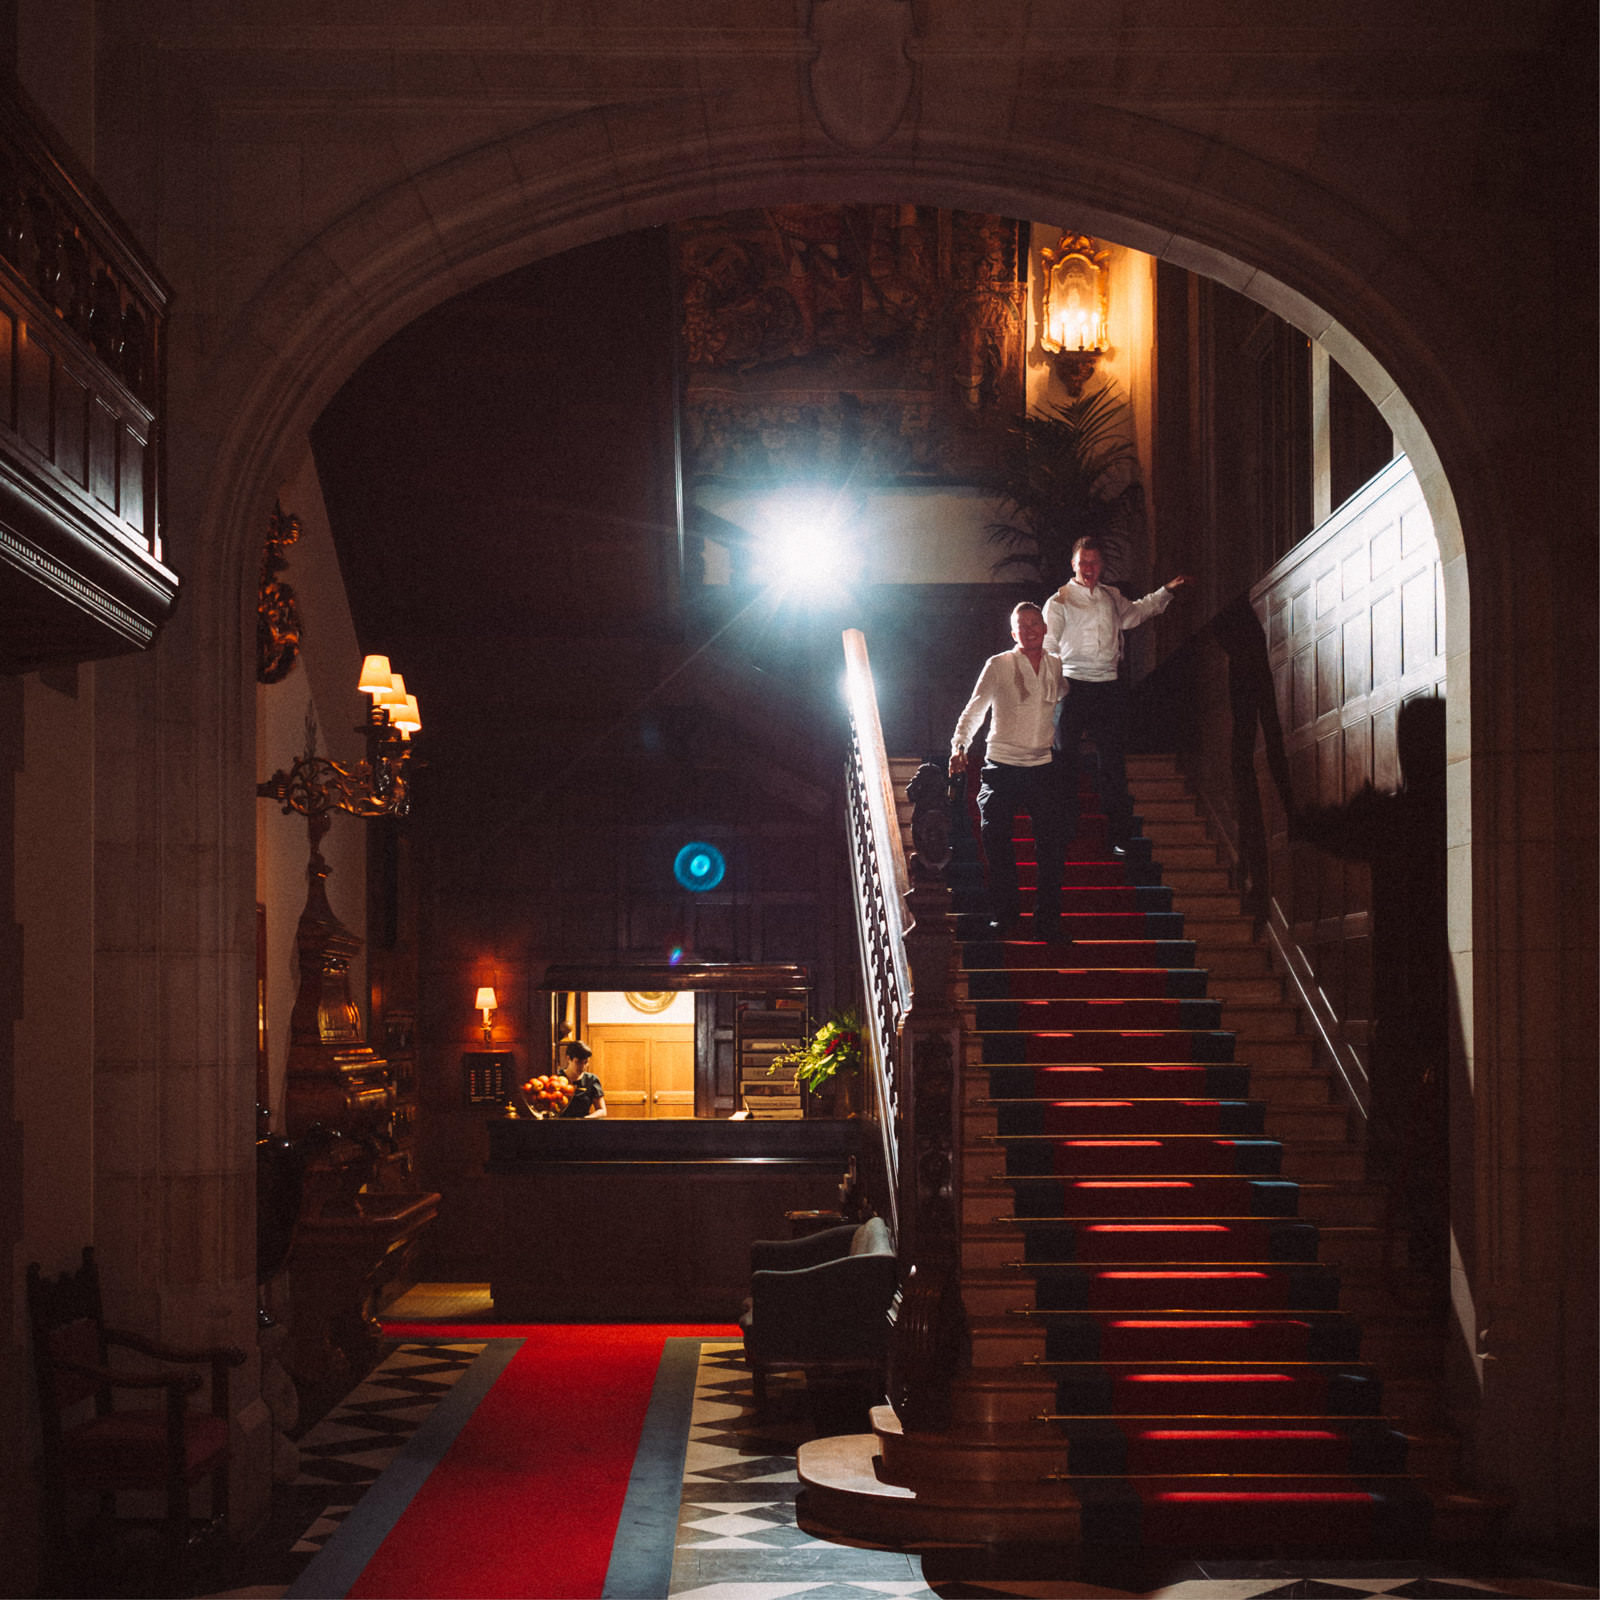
[670, 1208]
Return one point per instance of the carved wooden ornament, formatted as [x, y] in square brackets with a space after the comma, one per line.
[277, 608]
[861, 76]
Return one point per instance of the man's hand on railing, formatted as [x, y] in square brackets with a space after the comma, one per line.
[958, 763]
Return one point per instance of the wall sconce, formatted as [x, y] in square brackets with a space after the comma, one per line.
[485, 1002]
[1072, 327]
[376, 787]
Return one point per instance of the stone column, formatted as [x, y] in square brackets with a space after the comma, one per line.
[174, 970]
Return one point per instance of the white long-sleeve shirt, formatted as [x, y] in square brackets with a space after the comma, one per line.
[1084, 627]
[1022, 701]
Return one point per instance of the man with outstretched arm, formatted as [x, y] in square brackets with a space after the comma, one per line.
[1019, 690]
[1084, 624]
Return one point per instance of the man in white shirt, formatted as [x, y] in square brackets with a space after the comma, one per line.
[1084, 625]
[1019, 690]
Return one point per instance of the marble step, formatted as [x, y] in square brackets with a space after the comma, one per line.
[1189, 881]
[1223, 927]
[1196, 853]
[1166, 832]
[1159, 786]
[1267, 989]
[844, 1497]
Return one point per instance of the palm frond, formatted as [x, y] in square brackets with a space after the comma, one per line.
[1066, 473]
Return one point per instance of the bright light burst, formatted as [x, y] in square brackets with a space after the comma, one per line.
[807, 542]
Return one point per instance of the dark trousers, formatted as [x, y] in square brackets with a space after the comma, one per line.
[1004, 792]
[1101, 711]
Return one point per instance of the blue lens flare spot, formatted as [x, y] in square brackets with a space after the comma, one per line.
[676, 956]
[699, 867]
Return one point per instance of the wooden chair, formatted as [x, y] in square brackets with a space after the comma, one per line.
[166, 1448]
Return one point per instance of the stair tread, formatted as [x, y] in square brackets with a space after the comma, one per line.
[1133, 973]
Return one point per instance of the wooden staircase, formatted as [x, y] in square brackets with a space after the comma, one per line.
[1189, 1328]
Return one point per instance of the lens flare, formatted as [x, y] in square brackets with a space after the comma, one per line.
[699, 867]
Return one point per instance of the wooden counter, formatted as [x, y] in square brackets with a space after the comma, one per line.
[609, 1220]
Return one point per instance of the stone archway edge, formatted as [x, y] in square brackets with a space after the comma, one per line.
[1318, 256]
[487, 211]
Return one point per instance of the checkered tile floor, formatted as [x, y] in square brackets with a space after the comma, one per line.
[344, 1454]
[737, 1537]
[348, 1450]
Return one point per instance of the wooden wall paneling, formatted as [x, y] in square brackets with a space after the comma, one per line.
[8, 369]
[717, 1068]
[71, 426]
[1353, 624]
[34, 362]
[134, 469]
[103, 454]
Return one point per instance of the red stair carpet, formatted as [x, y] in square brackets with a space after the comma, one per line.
[527, 1497]
[1208, 1390]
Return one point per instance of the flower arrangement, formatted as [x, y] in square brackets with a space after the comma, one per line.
[834, 1048]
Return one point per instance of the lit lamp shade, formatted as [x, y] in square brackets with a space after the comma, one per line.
[405, 716]
[485, 1002]
[376, 677]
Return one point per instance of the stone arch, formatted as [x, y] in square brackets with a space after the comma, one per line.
[1338, 276]
[1263, 230]
[1297, 249]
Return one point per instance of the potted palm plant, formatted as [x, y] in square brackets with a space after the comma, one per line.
[1065, 473]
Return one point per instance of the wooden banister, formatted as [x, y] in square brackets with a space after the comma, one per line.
[915, 1054]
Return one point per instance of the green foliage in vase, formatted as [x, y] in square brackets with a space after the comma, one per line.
[1066, 473]
[834, 1048]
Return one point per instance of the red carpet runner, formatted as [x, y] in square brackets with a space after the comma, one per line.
[527, 1498]
[1209, 1392]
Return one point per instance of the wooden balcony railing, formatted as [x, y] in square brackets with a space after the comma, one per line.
[915, 1050]
[82, 369]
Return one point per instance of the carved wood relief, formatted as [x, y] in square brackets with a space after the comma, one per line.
[880, 341]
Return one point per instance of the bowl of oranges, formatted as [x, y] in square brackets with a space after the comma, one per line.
[549, 1095]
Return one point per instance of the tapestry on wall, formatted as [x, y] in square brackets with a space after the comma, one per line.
[882, 342]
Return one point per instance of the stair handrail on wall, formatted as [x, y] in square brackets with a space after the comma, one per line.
[915, 1054]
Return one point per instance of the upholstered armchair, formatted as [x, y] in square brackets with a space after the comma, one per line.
[820, 1304]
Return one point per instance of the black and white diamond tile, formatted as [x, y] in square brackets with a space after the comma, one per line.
[346, 1452]
[321, 1531]
[352, 1445]
[737, 1538]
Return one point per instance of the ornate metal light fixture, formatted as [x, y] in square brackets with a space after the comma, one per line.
[375, 787]
[1072, 328]
[333, 1077]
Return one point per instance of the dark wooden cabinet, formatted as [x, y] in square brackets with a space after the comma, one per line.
[604, 1221]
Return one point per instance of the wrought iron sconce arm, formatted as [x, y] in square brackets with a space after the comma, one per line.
[379, 786]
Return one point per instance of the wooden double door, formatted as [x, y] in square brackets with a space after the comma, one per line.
[646, 1070]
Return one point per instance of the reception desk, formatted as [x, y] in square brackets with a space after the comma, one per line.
[610, 1220]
